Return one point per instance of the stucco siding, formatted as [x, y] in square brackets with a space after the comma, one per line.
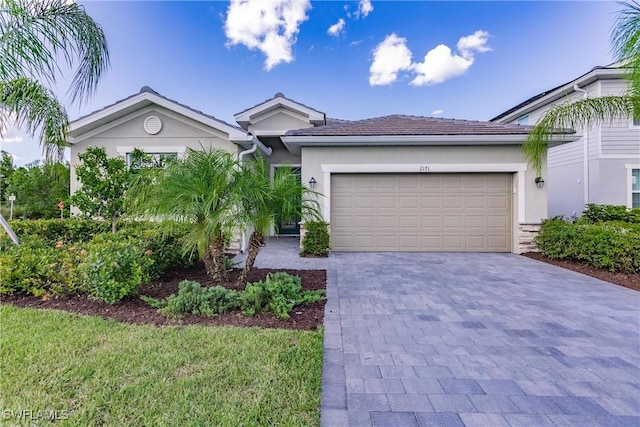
[566, 189]
[275, 122]
[177, 134]
[612, 178]
[313, 159]
[279, 154]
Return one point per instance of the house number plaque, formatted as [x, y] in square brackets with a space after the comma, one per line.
[424, 168]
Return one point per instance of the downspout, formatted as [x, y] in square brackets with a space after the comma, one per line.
[243, 237]
[585, 153]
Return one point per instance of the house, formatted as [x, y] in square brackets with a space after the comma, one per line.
[601, 166]
[395, 183]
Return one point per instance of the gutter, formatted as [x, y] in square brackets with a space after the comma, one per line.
[267, 152]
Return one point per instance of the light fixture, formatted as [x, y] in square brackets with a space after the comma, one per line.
[539, 182]
[312, 183]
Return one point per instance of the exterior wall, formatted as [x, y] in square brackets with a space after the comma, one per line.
[177, 134]
[529, 202]
[280, 154]
[607, 148]
[277, 122]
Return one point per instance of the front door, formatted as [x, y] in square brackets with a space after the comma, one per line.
[289, 226]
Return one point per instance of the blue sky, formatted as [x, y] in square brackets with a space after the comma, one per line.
[470, 60]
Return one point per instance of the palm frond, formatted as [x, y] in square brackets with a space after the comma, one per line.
[625, 40]
[34, 107]
[572, 116]
[35, 34]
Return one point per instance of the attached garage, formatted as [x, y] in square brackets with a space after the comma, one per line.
[407, 183]
[422, 212]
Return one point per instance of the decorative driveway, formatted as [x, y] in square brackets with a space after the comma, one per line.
[452, 339]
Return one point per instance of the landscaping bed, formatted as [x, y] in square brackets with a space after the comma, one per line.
[134, 310]
[627, 280]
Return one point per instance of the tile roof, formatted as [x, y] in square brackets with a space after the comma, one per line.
[147, 89]
[411, 125]
[278, 95]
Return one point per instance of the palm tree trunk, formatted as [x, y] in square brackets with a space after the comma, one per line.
[8, 229]
[214, 261]
[256, 242]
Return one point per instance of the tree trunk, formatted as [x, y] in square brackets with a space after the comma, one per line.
[8, 229]
[214, 261]
[114, 221]
[256, 242]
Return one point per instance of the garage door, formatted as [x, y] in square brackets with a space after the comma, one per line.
[421, 212]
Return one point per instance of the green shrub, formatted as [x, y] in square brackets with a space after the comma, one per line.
[115, 267]
[39, 269]
[600, 213]
[316, 240]
[613, 245]
[51, 231]
[192, 298]
[278, 294]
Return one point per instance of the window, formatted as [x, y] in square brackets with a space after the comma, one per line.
[636, 122]
[155, 160]
[635, 188]
[524, 120]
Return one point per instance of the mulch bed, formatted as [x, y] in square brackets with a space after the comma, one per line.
[134, 310]
[631, 281]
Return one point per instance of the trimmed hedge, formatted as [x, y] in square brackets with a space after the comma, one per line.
[612, 245]
[103, 265]
[594, 214]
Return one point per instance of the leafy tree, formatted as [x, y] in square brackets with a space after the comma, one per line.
[626, 46]
[264, 201]
[104, 181]
[6, 170]
[36, 38]
[39, 187]
[200, 189]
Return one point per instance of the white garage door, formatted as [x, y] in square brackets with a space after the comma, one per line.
[421, 212]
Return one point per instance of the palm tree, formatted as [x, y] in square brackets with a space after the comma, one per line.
[625, 42]
[264, 201]
[200, 189]
[35, 36]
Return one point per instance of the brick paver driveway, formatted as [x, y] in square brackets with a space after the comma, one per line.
[476, 339]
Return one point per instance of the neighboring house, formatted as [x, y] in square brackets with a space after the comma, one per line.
[395, 183]
[603, 165]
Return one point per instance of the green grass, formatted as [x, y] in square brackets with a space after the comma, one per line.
[107, 373]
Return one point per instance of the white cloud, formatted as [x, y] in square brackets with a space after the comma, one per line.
[437, 112]
[475, 42]
[336, 28]
[389, 58]
[364, 8]
[270, 26]
[439, 64]
[355, 43]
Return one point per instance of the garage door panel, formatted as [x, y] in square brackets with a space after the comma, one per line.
[388, 222]
[408, 221]
[421, 212]
[364, 202]
[451, 221]
[430, 202]
[453, 202]
[388, 202]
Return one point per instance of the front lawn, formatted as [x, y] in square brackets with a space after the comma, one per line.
[92, 371]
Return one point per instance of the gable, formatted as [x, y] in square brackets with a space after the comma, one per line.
[172, 125]
[277, 122]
